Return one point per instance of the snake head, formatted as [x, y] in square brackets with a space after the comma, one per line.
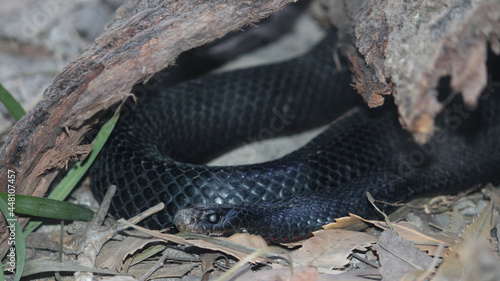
[210, 219]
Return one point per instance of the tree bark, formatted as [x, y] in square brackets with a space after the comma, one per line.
[406, 47]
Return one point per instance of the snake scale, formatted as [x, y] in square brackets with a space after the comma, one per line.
[156, 152]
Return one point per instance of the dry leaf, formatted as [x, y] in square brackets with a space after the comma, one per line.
[423, 241]
[352, 275]
[114, 252]
[399, 256]
[410, 232]
[121, 278]
[330, 248]
[485, 265]
[249, 240]
[168, 270]
[208, 260]
[454, 265]
[239, 251]
[495, 194]
[301, 273]
[457, 221]
[211, 243]
[352, 222]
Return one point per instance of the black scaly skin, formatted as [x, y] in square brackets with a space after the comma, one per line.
[154, 152]
[366, 150]
[288, 198]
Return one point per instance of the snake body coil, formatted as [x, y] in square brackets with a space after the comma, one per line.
[155, 153]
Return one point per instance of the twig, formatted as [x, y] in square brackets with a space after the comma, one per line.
[386, 218]
[103, 209]
[90, 240]
[61, 242]
[157, 265]
[242, 263]
[360, 258]
[136, 219]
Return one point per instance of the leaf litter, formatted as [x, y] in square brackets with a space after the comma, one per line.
[414, 246]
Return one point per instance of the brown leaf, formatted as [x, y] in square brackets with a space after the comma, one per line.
[352, 222]
[352, 275]
[457, 221]
[455, 263]
[399, 256]
[302, 273]
[168, 270]
[424, 241]
[330, 248]
[208, 260]
[211, 243]
[114, 252]
[495, 195]
[249, 240]
[485, 262]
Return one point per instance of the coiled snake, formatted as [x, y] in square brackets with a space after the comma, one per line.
[156, 152]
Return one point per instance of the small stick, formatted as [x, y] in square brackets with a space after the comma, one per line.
[360, 258]
[136, 219]
[157, 265]
[90, 240]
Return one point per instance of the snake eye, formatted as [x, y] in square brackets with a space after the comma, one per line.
[213, 218]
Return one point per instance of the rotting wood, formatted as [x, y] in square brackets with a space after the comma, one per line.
[407, 47]
[146, 37]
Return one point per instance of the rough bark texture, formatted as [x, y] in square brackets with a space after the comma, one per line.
[406, 47]
[146, 37]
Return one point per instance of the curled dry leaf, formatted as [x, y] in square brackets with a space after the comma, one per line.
[352, 222]
[331, 248]
[114, 252]
[208, 260]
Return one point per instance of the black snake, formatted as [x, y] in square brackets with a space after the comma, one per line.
[156, 152]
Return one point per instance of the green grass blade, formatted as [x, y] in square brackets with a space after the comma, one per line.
[74, 175]
[49, 208]
[1, 272]
[14, 108]
[20, 254]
